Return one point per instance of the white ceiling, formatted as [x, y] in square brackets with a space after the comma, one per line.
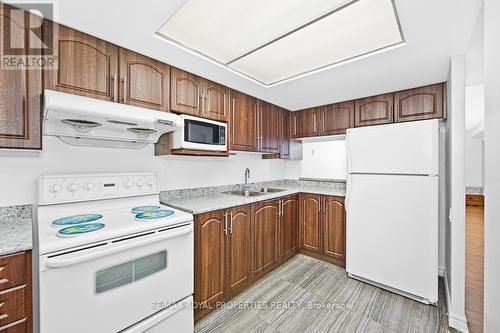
[433, 30]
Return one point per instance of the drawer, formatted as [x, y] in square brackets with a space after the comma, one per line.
[13, 305]
[21, 327]
[13, 270]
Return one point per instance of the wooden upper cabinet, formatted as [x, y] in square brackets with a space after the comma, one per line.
[185, 92]
[269, 118]
[209, 254]
[265, 236]
[216, 101]
[243, 122]
[238, 248]
[305, 123]
[20, 89]
[375, 110]
[144, 81]
[87, 65]
[419, 103]
[337, 118]
[289, 226]
[310, 222]
[334, 227]
[191, 94]
[285, 136]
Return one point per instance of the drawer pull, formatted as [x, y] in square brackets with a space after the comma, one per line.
[4, 281]
[3, 316]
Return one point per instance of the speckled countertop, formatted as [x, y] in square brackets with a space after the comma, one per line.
[15, 229]
[206, 202]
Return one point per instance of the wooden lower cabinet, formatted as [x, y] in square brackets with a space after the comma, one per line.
[222, 256]
[310, 226]
[265, 236]
[15, 293]
[209, 259]
[334, 227]
[289, 226]
[238, 248]
[322, 227]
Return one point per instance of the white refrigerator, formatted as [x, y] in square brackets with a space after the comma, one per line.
[392, 204]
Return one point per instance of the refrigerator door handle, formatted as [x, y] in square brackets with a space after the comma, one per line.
[348, 153]
[348, 191]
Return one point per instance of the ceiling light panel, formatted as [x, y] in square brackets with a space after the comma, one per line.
[356, 30]
[225, 30]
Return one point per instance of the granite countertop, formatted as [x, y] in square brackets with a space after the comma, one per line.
[15, 229]
[210, 202]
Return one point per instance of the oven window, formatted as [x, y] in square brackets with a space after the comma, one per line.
[129, 272]
[201, 132]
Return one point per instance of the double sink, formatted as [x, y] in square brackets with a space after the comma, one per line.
[250, 193]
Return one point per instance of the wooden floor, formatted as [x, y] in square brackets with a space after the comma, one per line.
[474, 268]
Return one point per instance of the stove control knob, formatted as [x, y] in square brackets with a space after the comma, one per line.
[151, 182]
[128, 184]
[88, 186]
[72, 187]
[55, 188]
[139, 183]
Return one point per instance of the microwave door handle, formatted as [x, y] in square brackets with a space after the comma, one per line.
[77, 258]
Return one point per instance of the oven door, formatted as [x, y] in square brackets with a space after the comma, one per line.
[113, 285]
[204, 134]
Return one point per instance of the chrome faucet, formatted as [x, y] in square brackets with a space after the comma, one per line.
[247, 175]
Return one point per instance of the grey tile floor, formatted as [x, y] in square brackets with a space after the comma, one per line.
[308, 295]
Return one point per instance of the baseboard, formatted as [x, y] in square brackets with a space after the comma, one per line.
[441, 271]
[457, 322]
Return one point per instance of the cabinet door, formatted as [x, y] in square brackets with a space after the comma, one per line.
[269, 127]
[289, 226]
[87, 65]
[284, 134]
[265, 236]
[337, 118]
[375, 110]
[209, 247]
[310, 222]
[243, 122]
[334, 227]
[419, 103]
[238, 248]
[305, 123]
[144, 81]
[215, 104]
[20, 89]
[185, 92]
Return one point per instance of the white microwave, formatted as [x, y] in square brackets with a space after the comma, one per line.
[200, 134]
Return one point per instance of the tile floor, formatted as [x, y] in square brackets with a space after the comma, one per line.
[308, 295]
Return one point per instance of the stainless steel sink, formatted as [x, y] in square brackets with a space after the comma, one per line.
[270, 190]
[243, 193]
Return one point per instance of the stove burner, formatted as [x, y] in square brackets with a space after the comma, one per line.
[152, 215]
[76, 219]
[79, 229]
[142, 209]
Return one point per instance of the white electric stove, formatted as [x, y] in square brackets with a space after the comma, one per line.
[111, 257]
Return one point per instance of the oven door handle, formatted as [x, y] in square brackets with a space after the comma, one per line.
[59, 262]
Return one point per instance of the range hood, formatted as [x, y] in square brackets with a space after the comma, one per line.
[85, 121]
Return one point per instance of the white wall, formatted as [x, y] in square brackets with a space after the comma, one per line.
[474, 106]
[474, 162]
[324, 160]
[19, 170]
[455, 194]
[492, 167]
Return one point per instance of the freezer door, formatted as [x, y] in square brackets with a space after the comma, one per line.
[392, 232]
[406, 148]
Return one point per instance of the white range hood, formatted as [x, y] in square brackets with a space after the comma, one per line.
[85, 121]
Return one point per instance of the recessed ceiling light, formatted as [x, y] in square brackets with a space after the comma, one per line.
[275, 41]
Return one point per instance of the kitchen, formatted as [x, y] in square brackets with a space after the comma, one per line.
[253, 188]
